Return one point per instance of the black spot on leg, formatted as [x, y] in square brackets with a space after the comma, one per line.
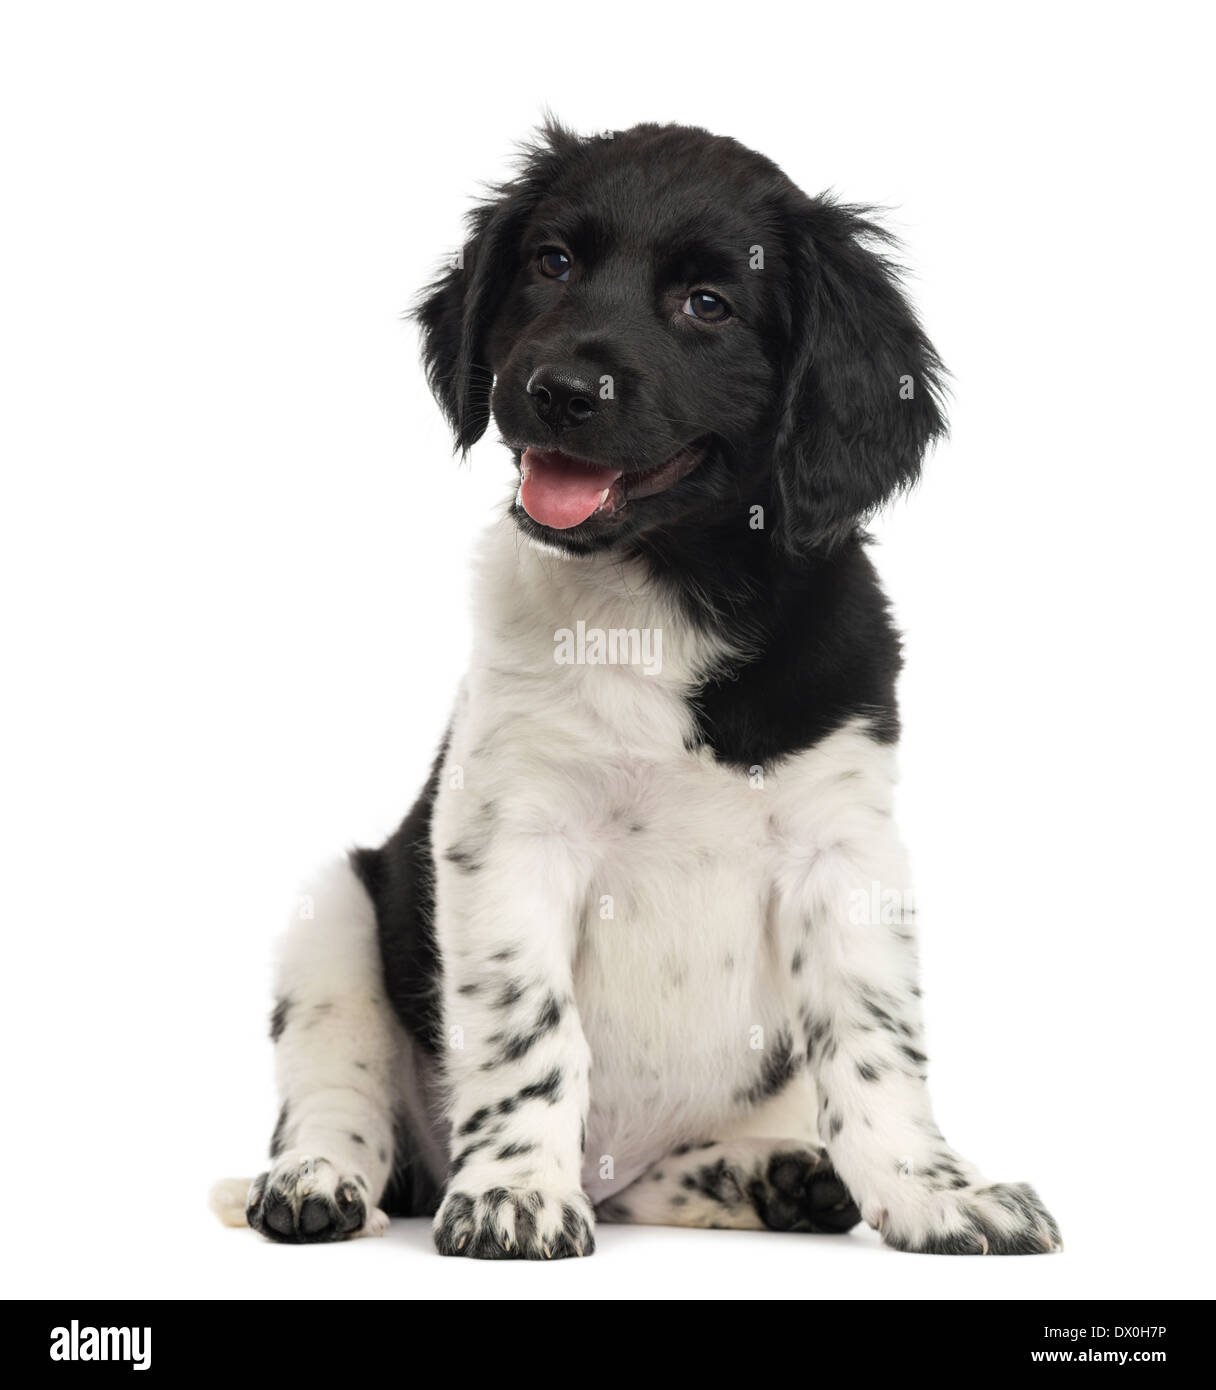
[463, 858]
[720, 1182]
[278, 1018]
[512, 993]
[781, 1063]
[475, 1121]
[383, 1155]
[879, 1013]
[358, 1139]
[548, 1088]
[813, 1033]
[468, 989]
[835, 1125]
[514, 1150]
[464, 1155]
[796, 963]
[869, 1071]
[521, 1043]
[681, 1149]
[912, 1055]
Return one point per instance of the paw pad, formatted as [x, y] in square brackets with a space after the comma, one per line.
[306, 1201]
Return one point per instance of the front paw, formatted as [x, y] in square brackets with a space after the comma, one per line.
[306, 1200]
[992, 1219]
[502, 1223]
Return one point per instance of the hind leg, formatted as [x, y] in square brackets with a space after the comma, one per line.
[740, 1184]
[340, 1056]
[745, 1179]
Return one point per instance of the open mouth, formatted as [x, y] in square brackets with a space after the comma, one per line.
[560, 491]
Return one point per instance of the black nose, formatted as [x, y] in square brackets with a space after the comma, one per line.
[563, 395]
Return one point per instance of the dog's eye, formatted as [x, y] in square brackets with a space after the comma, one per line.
[554, 263]
[710, 307]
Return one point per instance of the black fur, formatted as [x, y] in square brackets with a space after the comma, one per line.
[413, 1189]
[781, 1064]
[814, 402]
[400, 879]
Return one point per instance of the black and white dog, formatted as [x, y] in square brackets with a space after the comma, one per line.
[644, 948]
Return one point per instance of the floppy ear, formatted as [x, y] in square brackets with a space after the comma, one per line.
[864, 384]
[457, 311]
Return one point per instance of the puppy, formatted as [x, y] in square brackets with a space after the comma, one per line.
[644, 950]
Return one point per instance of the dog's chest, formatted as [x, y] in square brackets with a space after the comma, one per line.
[676, 977]
[676, 973]
[682, 993]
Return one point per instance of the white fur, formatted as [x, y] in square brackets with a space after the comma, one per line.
[673, 919]
[574, 788]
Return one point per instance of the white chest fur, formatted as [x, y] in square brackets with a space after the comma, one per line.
[681, 978]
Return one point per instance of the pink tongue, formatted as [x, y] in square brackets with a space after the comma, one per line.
[559, 491]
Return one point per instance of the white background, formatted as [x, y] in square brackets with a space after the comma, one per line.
[235, 546]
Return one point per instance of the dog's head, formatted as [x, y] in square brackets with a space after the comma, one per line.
[669, 335]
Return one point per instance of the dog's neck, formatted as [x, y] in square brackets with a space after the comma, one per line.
[522, 586]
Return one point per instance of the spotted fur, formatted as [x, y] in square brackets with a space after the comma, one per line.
[647, 940]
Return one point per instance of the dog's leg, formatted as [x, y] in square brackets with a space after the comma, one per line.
[847, 924]
[740, 1184]
[745, 1179]
[338, 1050]
[516, 1059]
